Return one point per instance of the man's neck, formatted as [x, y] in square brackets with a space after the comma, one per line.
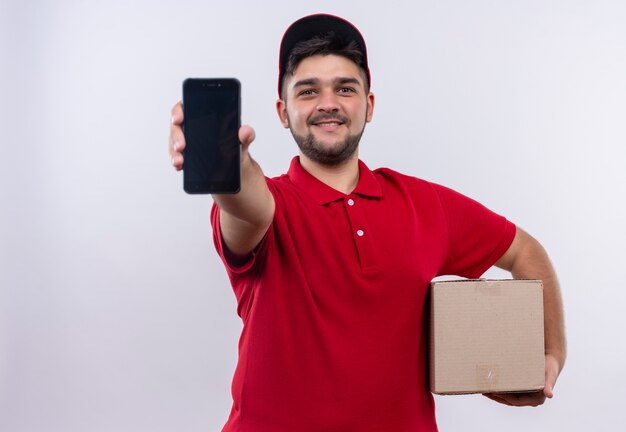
[343, 177]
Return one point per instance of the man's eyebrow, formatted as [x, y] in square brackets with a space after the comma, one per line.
[316, 81]
[306, 82]
[347, 80]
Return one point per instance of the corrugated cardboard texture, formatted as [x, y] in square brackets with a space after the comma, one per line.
[486, 336]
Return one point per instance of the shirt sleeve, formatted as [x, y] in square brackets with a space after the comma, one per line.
[477, 237]
[243, 276]
[222, 251]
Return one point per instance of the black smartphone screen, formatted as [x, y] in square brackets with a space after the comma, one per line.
[212, 116]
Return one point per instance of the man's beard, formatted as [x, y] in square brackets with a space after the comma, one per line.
[324, 155]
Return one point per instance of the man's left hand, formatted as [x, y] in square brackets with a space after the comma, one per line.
[532, 398]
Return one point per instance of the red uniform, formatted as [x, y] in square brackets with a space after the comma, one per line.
[333, 301]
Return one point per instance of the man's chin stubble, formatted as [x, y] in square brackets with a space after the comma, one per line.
[340, 153]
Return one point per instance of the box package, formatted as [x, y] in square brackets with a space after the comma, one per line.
[486, 336]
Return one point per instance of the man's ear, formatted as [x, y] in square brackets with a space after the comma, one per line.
[370, 107]
[281, 110]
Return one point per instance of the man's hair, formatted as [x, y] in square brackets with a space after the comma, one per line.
[324, 45]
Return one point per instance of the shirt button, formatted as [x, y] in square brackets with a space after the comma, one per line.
[360, 233]
[350, 202]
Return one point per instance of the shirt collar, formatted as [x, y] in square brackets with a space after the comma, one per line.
[367, 186]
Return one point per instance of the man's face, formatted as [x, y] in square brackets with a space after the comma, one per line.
[326, 106]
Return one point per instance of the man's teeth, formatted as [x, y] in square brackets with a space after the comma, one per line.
[328, 124]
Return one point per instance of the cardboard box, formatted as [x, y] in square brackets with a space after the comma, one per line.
[486, 336]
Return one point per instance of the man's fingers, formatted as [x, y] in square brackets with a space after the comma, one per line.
[177, 138]
[177, 161]
[177, 114]
[176, 152]
[548, 389]
[177, 141]
[246, 136]
[518, 399]
[496, 398]
[552, 373]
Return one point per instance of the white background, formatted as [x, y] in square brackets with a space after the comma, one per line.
[115, 313]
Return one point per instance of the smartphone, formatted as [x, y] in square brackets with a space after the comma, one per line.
[212, 117]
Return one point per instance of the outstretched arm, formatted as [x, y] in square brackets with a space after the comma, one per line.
[246, 216]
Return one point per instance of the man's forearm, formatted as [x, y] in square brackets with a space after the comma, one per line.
[246, 216]
[532, 262]
[250, 204]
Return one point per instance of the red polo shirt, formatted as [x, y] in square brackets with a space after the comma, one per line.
[333, 301]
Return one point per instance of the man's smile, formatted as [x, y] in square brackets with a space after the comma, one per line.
[328, 122]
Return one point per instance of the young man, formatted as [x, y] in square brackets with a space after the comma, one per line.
[331, 262]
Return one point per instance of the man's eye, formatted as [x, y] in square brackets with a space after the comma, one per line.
[307, 92]
[346, 90]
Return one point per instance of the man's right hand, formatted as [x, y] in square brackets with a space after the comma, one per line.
[177, 138]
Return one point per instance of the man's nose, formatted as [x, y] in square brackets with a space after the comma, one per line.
[328, 101]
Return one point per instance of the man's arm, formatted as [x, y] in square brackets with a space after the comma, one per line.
[527, 259]
[246, 216]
